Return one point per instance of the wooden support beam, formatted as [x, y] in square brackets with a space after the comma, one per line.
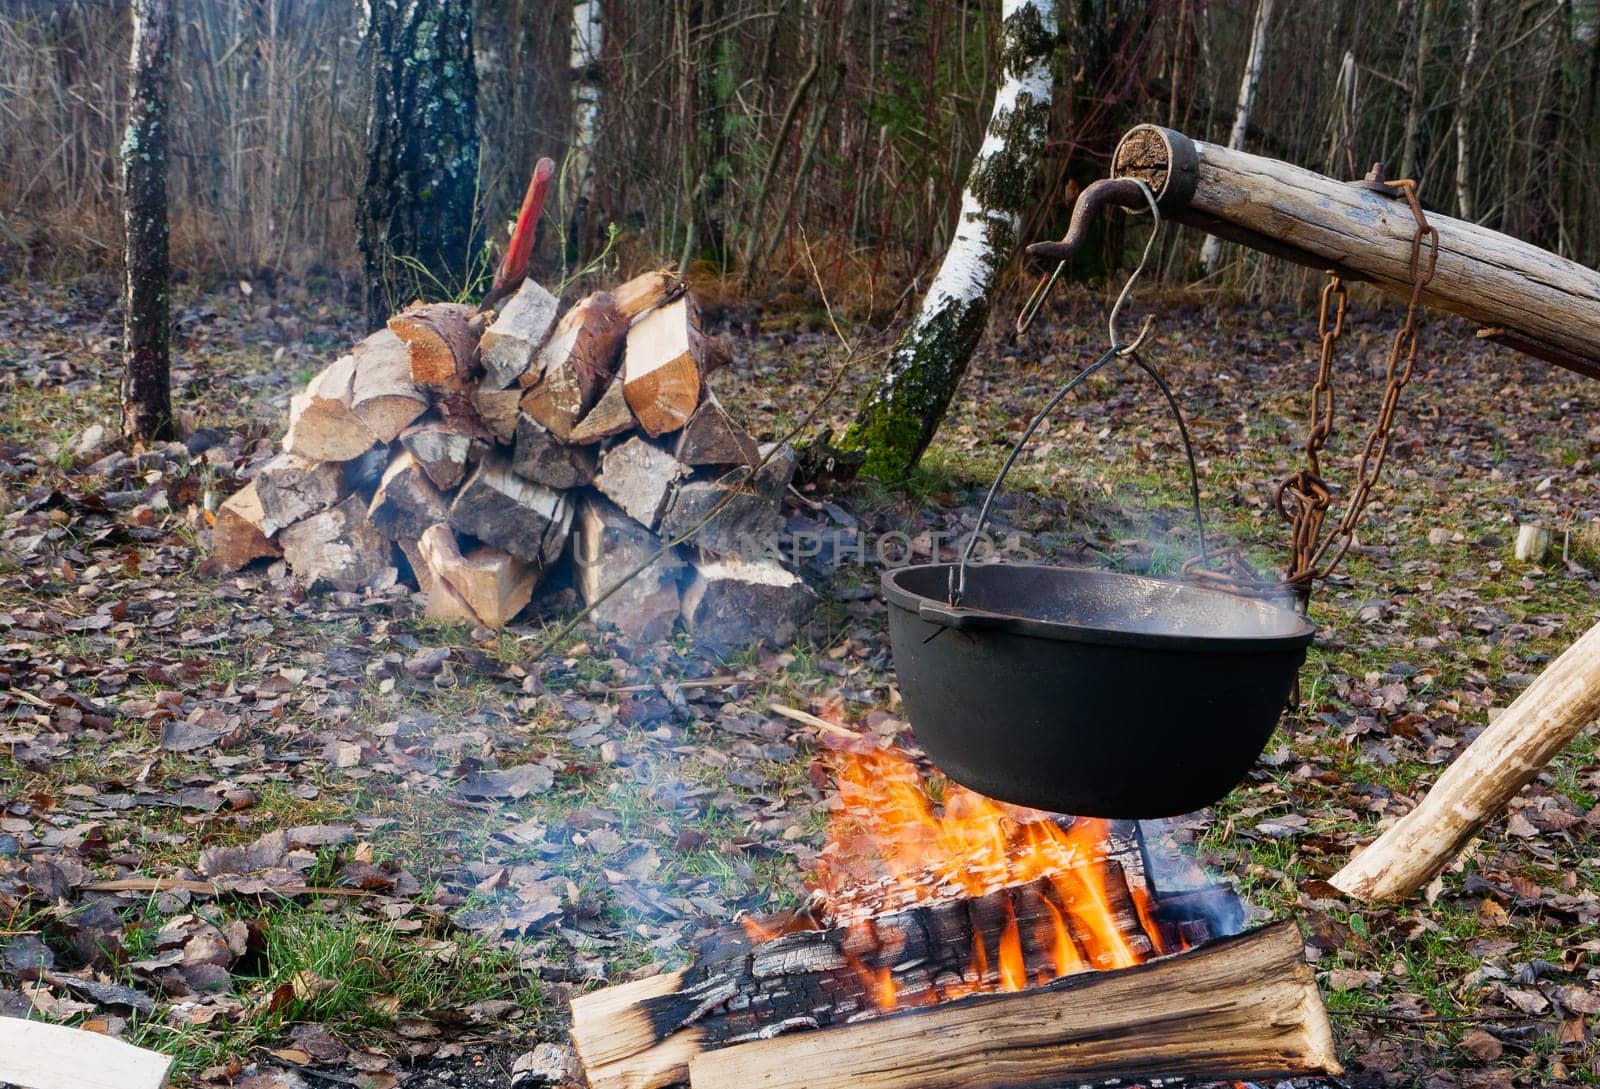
[1505, 757]
[1529, 297]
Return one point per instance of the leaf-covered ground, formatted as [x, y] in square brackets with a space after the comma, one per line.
[388, 851]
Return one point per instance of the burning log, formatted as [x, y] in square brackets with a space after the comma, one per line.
[965, 941]
[1240, 1007]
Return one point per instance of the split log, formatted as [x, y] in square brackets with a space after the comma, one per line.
[662, 367]
[442, 343]
[499, 508]
[498, 410]
[638, 476]
[322, 424]
[338, 546]
[1240, 1008]
[747, 505]
[290, 488]
[237, 537]
[1530, 299]
[441, 451]
[572, 370]
[608, 546]
[1549, 713]
[486, 586]
[712, 437]
[37, 1055]
[406, 502]
[646, 292]
[610, 416]
[738, 602]
[508, 346]
[545, 459]
[383, 395]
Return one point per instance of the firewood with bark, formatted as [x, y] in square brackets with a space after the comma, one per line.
[499, 508]
[575, 365]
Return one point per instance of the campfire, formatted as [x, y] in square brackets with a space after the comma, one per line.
[953, 940]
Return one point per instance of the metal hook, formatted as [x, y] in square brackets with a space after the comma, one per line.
[1122, 297]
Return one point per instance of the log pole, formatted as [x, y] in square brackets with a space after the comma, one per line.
[1524, 297]
[1539, 723]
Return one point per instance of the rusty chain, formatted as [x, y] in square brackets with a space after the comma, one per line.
[1304, 498]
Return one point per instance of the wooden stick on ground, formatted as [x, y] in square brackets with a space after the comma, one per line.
[37, 1055]
[1516, 747]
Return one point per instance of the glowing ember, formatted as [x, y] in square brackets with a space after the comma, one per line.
[896, 840]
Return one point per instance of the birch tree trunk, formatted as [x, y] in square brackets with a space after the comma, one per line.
[1409, 158]
[906, 406]
[587, 41]
[1463, 102]
[415, 211]
[1241, 116]
[146, 322]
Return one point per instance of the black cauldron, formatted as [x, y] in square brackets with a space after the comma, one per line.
[1090, 692]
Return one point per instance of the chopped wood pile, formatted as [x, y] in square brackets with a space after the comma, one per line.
[486, 448]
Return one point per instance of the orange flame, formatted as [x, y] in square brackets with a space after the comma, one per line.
[897, 842]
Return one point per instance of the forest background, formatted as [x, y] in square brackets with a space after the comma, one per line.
[737, 134]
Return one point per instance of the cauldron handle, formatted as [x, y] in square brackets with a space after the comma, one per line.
[953, 616]
[957, 581]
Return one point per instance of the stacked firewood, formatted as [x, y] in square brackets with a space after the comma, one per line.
[488, 448]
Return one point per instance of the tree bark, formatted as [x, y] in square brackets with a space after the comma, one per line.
[906, 406]
[415, 210]
[1463, 101]
[146, 321]
[587, 42]
[1241, 115]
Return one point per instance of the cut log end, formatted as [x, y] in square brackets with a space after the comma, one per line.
[662, 368]
[442, 342]
[237, 537]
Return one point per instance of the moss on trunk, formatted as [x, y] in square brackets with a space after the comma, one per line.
[904, 409]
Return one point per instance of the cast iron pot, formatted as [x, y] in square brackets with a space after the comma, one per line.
[1090, 692]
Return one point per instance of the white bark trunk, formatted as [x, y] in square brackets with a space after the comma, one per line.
[1463, 100]
[1247, 102]
[904, 409]
[587, 43]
